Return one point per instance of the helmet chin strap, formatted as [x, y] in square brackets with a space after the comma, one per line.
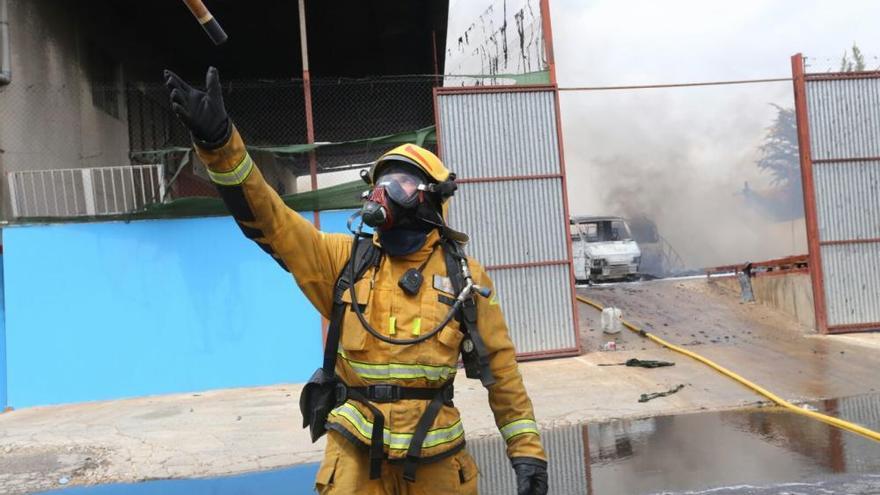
[439, 223]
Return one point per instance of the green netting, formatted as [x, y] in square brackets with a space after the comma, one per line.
[419, 137]
[338, 197]
[537, 78]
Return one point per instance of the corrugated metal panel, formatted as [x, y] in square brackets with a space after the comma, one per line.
[852, 287]
[537, 306]
[567, 469]
[499, 134]
[848, 200]
[489, 134]
[844, 118]
[496, 475]
[863, 410]
[509, 229]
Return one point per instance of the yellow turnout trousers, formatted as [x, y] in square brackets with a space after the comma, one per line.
[345, 470]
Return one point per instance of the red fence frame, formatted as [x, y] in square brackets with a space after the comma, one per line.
[561, 175]
[779, 266]
[814, 244]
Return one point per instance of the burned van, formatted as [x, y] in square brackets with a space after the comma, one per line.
[603, 249]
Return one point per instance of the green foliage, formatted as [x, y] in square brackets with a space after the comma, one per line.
[856, 64]
[781, 158]
[779, 152]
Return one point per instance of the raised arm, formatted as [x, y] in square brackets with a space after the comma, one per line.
[313, 257]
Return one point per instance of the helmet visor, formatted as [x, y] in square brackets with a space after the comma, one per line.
[402, 186]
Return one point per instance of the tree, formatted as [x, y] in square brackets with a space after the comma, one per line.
[780, 157]
[779, 153]
[857, 64]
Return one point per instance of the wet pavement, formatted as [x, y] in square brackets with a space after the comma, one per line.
[754, 451]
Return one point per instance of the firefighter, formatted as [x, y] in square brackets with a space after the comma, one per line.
[409, 312]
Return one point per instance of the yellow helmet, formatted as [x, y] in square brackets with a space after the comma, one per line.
[414, 155]
[431, 165]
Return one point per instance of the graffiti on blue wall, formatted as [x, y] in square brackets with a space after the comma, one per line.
[108, 310]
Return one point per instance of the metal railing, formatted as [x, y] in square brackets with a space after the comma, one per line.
[74, 192]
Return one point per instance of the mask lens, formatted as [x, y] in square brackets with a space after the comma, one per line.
[401, 187]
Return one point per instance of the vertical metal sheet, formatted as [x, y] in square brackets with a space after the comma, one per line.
[567, 471]
[534, 304]
[852, 284]
[844, 124]
[491, 134]
[513, 233]
[844, 118]
[863, 410]
[848, 200]
[499, 134]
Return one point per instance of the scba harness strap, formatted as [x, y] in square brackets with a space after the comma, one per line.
[475, 356]
[318, 397]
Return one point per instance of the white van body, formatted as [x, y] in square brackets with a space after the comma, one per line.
[603, 249]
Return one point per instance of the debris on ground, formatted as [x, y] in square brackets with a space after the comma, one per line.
[654, 395]
[641, 363]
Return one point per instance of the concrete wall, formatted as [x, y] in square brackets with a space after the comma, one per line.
[109, 310]
[790, 293]
[47, 117]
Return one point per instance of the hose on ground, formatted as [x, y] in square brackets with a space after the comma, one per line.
[779, 401]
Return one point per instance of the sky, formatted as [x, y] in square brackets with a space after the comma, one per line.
[682, 156]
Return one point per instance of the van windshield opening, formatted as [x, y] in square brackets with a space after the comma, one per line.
[603, 231]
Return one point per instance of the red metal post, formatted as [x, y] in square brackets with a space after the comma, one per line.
[436, 92]
[574, 301]
[548, 39]
[436, 57]
[803, 131]
[836, 448]
[310, 125]
[588, 465]
[307, 94]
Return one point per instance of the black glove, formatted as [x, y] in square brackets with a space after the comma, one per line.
[202, 112]
[531, 475]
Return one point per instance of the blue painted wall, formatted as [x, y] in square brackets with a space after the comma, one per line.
[2, 341]
[107, 310]
[297, 480]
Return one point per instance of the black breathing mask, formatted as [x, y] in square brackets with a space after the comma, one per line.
[395, 199]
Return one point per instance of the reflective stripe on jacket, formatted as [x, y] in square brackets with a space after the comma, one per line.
[315, 259]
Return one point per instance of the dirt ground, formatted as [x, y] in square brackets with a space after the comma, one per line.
[750, 338]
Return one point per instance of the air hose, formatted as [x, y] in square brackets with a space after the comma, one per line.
[779, 401]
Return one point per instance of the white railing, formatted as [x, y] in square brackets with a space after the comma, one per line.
[74, 192]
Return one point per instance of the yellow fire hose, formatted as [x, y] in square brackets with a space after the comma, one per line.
[845, 425]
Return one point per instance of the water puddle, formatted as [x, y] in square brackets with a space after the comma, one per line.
[296, 480]
[756, 451]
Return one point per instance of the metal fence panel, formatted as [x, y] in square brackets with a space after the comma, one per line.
[863, 410]
[838, 117]
[848, 200]
[567, 469]
[534, 301]
[504, 143]
[499, 134]
[843, 117]
[78, 192]
[852, 287]
[518, 234]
